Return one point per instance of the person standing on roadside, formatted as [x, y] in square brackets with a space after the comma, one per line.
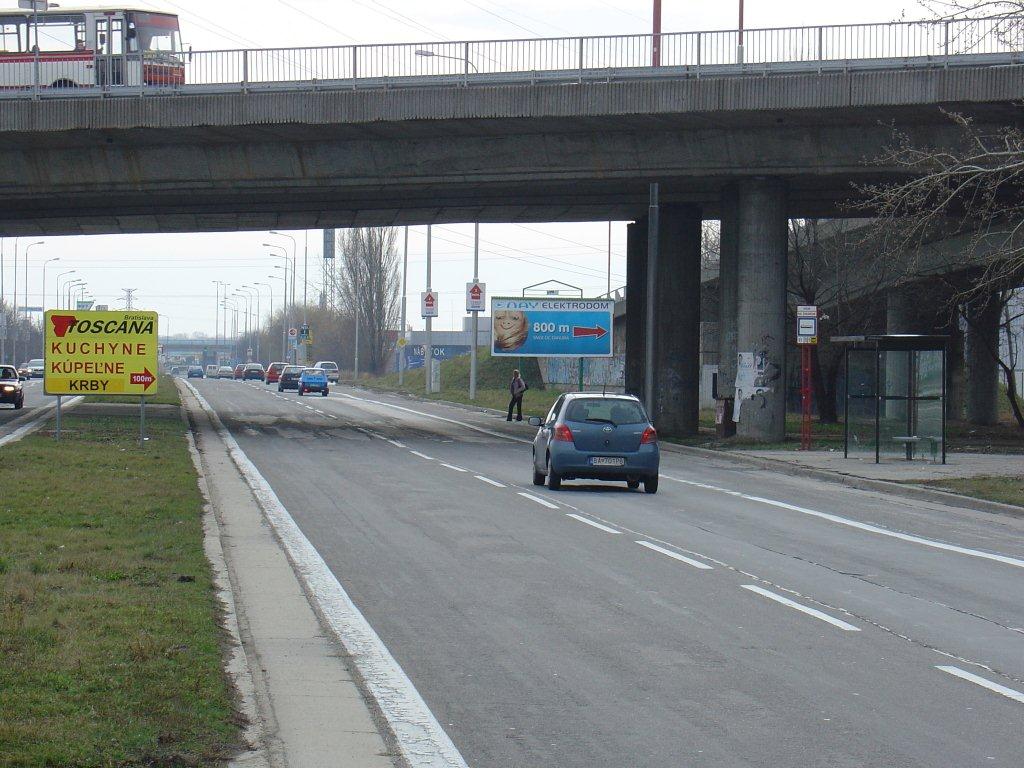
[516, 388]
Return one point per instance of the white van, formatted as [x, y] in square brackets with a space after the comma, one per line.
[330, 368]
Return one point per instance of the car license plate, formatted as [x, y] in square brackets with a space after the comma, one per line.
[607, 461]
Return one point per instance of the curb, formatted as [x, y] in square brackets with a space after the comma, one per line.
[908, 490]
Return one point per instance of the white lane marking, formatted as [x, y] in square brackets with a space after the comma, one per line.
[475, 428]
[861, 526]
[422, 455]
[452, 466]
[488, 480]
[802, 608]
[599, 526]
[1002, 690]
[397, 444]
[675, 555]
[331, 416]
[35, 423]
[539, 500]
[421, 739]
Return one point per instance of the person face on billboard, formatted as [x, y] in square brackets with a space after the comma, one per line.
[510, 330]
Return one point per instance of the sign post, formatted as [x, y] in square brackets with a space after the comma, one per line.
[428, 311]
[806, 339]
[476, 302]
[101, 353]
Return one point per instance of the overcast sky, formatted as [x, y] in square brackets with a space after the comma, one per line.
[173, 274]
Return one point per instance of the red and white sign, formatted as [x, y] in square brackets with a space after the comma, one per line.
[428, 304]
[145, 378]
[476, 296]
[293, 333]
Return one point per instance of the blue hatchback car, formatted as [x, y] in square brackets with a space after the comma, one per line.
[313, 380]
[596, 437]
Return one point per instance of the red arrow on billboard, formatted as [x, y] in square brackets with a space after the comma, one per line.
[145, 378]
[597, 332]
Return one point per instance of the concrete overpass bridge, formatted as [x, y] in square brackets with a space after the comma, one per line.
[569, 129]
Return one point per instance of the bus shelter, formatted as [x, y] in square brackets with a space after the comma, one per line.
[895, 397]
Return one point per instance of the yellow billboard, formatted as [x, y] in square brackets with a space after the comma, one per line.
[100, 353]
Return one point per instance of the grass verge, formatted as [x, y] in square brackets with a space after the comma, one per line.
[165, 394]
[1007, 490]
[109, 642]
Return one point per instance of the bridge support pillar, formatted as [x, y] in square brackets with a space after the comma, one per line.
[761, 308]
[677, 327]
[636, 305]
[982, 372]
[728, 284]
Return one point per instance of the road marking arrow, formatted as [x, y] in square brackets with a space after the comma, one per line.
[597, 332]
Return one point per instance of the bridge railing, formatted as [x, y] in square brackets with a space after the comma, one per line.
[896, 44]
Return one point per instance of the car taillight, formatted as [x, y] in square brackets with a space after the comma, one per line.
[562, 432]
[650, 435]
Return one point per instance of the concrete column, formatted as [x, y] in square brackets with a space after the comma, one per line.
[982, 372]
[677, 341]
[761, 306]
[903, 312]
[636, 305]
[728, 285]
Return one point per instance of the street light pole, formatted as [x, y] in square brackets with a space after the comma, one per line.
[284, 299]
[428, 349]
[57, 290]
[287, 312]
[43, 286]
[295, 247]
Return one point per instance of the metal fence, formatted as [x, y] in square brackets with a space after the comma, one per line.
[686, 54]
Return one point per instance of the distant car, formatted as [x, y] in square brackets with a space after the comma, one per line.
[177, 370]
[274, 372]
[331, 369]
[253, 371]
[23, 372]
[10, 387]
[211, 371]
[196, 372]
[239, 371]
[313, 380]
[225, 372]
[289, 378]
[596, 437]
[37, 367]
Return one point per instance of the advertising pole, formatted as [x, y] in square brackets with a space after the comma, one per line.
[401, 330]
[476, 315]
[428, 349]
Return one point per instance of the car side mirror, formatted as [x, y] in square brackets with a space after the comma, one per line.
[535, 421]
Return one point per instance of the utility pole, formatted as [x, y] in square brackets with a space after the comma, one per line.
[401, 332]
[428, 349]
[355, 296]
[305, 297]
[476, 315]
[129, 296]
[652, 283]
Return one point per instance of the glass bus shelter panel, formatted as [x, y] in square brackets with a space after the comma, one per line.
[861, 402]
[928, 371]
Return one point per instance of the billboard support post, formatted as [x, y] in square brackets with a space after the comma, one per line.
[56, 432]
[142, 421]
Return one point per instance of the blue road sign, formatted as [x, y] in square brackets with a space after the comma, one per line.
[552, 327]
[414, 354]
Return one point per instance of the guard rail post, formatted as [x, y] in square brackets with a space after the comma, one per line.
[355, 65]
[465, 67]
[579, 42]
[245, 70]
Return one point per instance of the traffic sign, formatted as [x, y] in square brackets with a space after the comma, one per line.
[102, 353]
[806, 324]
[476, 296]
[293, 333]
[428, 304]
[402, 341]
[552, 327]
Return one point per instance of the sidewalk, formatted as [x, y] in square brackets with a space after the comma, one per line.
[309, 710]
[958, 465]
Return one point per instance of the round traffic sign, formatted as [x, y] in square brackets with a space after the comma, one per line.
[293, 333]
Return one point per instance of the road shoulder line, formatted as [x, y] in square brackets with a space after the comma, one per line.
[37, 421]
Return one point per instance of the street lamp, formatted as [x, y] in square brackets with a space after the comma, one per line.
[28, 248]
[284, 323]
[295, 249]
[56, 293]
[248, 311]
[55, 258]
[67, 291]
[433, 55]
[257, 316]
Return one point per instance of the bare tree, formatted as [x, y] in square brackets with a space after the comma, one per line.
[368, 286]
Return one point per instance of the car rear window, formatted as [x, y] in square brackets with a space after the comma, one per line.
[8, 373]
[611, 410]
[329, 366]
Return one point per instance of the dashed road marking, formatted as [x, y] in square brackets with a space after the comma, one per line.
[538, 500]
[592, 523]
[452, 466]
[675, 555]
[802, 608]
[422, 455]
[1002, 690]
[488, 480]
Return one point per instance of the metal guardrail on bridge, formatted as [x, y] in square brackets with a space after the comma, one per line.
[686, 54]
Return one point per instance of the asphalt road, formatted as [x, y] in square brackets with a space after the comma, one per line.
[34, 400]
[764, 620]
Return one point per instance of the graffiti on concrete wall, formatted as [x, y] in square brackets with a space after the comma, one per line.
[756, 375]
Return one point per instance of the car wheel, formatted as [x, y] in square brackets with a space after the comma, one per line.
[324, 393]
[633, 484]
[651, 484]
[20, 403]
[301, 391]
[554, 479]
